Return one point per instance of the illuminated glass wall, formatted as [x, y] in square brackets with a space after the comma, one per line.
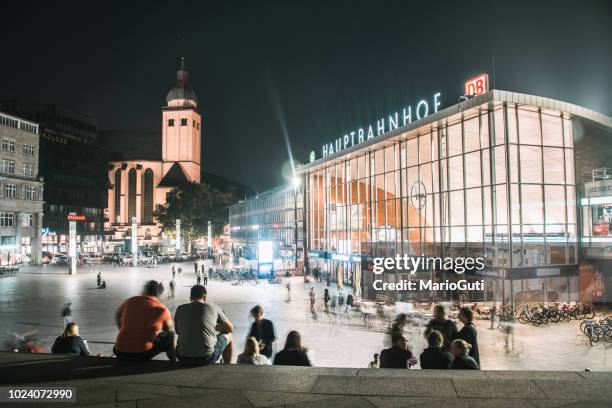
[497, 182]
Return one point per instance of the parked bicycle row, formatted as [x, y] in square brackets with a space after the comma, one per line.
[597, 330]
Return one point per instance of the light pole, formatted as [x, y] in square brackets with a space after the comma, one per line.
[72, 252]
[134, 242]
[177, 245]
[209, 241]
[296, 186]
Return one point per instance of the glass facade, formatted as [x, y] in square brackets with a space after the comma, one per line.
[496, 181]
[276, 216]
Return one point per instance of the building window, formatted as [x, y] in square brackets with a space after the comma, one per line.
[170, 122]
[184, 122]
[28, 150]
[131, 194]
[198, 125]
[147, 202]
[10, 191]
[30, 193]
[6, 219]
[10, 240]
[8, 145]
[27, 220]
[28, 170]
[117, 192]
[8, 166]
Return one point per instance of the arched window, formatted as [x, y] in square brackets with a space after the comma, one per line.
[131, 194]
[147, 197]
[147, 234]
[117, 189]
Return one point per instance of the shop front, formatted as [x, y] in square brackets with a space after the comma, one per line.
[596, 268]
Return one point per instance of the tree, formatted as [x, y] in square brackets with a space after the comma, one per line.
[195, 205]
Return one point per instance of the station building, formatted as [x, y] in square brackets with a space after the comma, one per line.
[274, 216]
[518, 179]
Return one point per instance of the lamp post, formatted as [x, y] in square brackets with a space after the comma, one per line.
[177, 246]
[134, 242]
[296, 186]
[209, 240]
[72, 253]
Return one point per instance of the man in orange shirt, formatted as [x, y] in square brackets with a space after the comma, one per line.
[145, 326]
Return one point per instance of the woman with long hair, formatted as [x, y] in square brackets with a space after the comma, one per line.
[294, 354]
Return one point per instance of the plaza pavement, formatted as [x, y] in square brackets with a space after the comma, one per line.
[105, 383]
[32, 300]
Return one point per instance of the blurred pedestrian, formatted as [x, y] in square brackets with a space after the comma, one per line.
[67, 313]
[172, 288]
[468, 332]
[376, 362]
[443, 325]
[311, 295]
[326, 299]
[99, 279]
[205, 275]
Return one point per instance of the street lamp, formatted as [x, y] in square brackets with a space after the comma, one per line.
[209, 241]
[296, 186]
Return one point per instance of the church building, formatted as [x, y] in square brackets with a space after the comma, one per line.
[138, 185]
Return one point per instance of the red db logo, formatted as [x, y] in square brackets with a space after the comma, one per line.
[477, 85]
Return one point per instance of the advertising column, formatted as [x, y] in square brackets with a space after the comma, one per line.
[72, 243]
[178, 239]
[134, 242]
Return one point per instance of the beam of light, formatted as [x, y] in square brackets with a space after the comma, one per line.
[280, 115]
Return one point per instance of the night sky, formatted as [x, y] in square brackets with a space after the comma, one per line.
[312, 70]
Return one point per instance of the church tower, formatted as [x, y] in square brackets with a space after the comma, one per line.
[181, 127]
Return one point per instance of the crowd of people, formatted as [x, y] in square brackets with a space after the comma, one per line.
[200, 334]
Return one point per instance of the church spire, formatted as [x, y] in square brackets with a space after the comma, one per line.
[182, 75]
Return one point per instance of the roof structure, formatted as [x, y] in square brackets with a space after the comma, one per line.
[175, 177]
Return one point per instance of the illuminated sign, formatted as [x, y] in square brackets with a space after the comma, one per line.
[383, 125]
[477, 85]
[265, 251]
[76, 217]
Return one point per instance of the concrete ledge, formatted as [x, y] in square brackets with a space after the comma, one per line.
[105, 382]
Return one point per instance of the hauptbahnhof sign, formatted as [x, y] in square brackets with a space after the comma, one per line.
[473, 86]
[382, 126]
